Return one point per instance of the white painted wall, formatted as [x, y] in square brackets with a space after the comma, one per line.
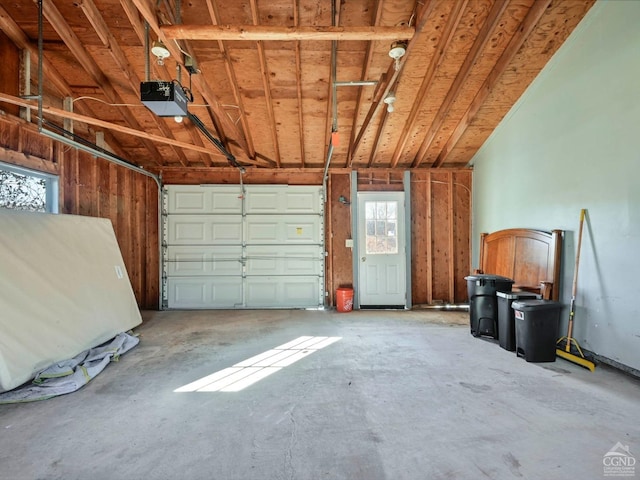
[573, 141]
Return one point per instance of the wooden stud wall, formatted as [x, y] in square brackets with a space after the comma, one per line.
[440, 223]
[440, 229]
[338, 221]
[440, 205]
[95, 187]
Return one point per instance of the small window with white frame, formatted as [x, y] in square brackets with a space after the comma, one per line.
[26, 189]
[382, 227]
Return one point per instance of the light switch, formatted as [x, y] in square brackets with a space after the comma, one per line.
[349, 243]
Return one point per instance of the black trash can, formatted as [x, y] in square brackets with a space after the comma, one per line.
[483, 307]
[537, 324]
[506, 319]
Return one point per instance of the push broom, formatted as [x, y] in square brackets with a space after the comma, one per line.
[565, 344]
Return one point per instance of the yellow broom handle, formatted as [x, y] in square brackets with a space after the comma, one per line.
[575, 271]
[574, 291]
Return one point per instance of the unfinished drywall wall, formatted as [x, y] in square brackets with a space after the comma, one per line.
[63, 289]
[572, 142]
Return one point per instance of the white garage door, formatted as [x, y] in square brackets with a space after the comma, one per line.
[263, 248]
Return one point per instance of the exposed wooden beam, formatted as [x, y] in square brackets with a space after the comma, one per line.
[296, 22]
[378, 137]
[28, 161]
[526, 28]
[138, 26]
[199, 81]
[112, 126]
[331, 120]
[17, 36]
[263, 32]
[376, 15]
[266, 85]
[393, 73]
[212, 6]
[447, 37]
[87, 62]
[484, 35]
[108, 40]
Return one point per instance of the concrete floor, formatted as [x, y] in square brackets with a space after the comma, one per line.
[403, 395]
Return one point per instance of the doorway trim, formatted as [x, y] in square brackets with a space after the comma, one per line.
[406, 182]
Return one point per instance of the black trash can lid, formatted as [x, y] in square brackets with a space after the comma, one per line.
[483, 276]
[518, 295]
[533, 305]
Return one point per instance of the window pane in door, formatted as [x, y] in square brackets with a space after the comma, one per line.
[382, 224]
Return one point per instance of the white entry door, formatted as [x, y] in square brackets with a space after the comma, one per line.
[381, 249]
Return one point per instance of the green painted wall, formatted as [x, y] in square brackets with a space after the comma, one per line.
[573, 141]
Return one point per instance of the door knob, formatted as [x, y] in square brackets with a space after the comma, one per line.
[364, 259]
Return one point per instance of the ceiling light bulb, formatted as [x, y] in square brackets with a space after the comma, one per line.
[390, 100]
[398, 49]
[160, 51]
[178, 119]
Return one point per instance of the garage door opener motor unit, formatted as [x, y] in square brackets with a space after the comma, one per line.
[165, 99]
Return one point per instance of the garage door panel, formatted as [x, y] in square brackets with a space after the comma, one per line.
[272, 256]
[190, 199]
[283, 199]
[204, 230]
[281, 229]
[208, 292]
[284, 260]
[293, 291]
[204, 260]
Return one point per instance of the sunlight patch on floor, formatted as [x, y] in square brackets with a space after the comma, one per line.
[254, 369]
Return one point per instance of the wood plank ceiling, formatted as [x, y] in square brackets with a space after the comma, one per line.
[270, 86]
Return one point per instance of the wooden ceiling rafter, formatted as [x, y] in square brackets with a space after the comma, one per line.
[493, 19]
[378, 137]
[212, 7]
[263, 32]
[58, 112]
[72, 42]
[102, 30]
[298, 55]
[377, 14]
[526, 28]
[331, 117]
[393, 74]
[18, 37]
[460, 75]
[448, 34]
[228, 126]
[172, 16]
[161, 70]
[266, 84]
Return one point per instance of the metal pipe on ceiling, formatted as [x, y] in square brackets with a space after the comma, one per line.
[40, 67]
[147, 46]
[359, 83]
[89, 147]
[334, 102]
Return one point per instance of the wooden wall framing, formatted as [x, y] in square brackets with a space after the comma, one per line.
[440, 235]
[440, 206]
[95, 187]
[440, 223]
[440, 230]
